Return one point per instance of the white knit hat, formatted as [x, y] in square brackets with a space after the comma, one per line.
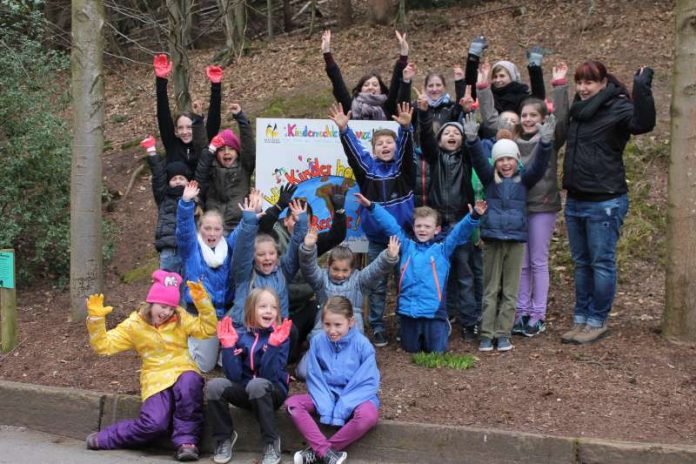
[511, 69]
[503, 148]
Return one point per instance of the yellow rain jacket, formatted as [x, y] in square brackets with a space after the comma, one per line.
[164, 349]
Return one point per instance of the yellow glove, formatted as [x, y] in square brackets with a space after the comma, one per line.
[198, 293]
[95, 306]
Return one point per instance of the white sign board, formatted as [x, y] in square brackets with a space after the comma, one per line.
[309, 154]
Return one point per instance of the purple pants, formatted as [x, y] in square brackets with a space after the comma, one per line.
[301, 407]
[534, 279]
[180, 405]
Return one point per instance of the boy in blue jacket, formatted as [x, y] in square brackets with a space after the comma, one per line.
[424, 266]
[387, 179]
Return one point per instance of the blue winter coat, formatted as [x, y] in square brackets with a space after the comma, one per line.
[388, 183]
[341, 375]
[216, 281]
[423, 266]
[252, 357]
[506, 218]
[247, 277]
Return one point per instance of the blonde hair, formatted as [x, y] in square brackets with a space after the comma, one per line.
[265, 238]
[251, 302]
[382, 133]
[426, 212]
[210, 213]
[338, 305]
[145, 311]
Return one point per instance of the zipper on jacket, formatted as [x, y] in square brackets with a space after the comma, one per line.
[251, 354]
[401, 277]
[437, 281]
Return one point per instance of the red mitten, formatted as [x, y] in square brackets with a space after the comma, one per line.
[214, 74]
[217, 141]
[280, 333]
[148, 142]
[162, 66]
[226, 334]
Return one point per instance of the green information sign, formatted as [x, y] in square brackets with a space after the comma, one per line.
[7, 278]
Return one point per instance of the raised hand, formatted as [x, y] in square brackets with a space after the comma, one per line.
[560, 71]
[484, 72]
[458, 73]
[644, 75]
[337, 116]
[535, 56]
[421, 100]
[547, 129]
[148, 143]
[197, 291]
[405, 114]
[467, 102]
[394, 246]
[337, 195]
[311, 238]
[250, 204]
[408, 72]
[214, 74]
[362, 200]
[403, 45]
[297, 207]
[95, 306]
[480, 207]
[197, 107]
[162, 66]
[286, 193]
[477, 46]
[216, 142]
[236, 108]
[191, 191]
[326, 41]
[280, 333]
[471, 126]
[226, 334]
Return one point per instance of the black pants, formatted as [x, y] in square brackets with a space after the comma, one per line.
[303, 318]
[260, 396]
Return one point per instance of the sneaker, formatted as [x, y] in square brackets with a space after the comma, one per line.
[520, 324]
[470, 333]
[306, 456]
[503, 344]
[223, 449]
[534, 329]
[92, 443]
[187, 452]
[486, 344]
[379, 340]
[271, 453]
[334, 457]
[590, 334]
[569, 336]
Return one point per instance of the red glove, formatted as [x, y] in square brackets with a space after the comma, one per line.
[226, 334]
[148, 142]
[162, 66]
[475, 105]
[217, 141]
[280, 333]
[214, 74]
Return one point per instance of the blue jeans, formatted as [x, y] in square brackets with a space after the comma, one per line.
[378, 293]
[170, 260]
[593, 231]
[465, 285]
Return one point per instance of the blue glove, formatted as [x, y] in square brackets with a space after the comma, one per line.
[535, 55]
[477, 46]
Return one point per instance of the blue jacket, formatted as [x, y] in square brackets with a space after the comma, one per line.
[341, 375]
[252, 357]
[388, 183]
[216, 281]
[424, 266]
[506, 218]
[245, 275]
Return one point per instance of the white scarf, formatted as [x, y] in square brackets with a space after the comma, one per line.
[213, 257]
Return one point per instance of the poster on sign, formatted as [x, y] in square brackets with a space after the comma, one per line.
[308, 153]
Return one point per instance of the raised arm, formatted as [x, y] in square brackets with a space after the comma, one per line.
[212, 124]
[543, 150]
[247, 156]
[535, 57]
[340, 91]
[337, 233]
[289, 262]
[243, 254]
[461, 232]
[103, 342]
[428, 142]
[489, 115]
[186, 241]
[643, 117]
[394, 85]
[380, 267]
[164, 116]
[311, 271]
[384, 220]
[483, 168]
[561, 104]
[476, 49]
[159, 173]
[204, 325]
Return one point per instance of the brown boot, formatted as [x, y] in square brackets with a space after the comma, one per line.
[569, 336]
[591, 334]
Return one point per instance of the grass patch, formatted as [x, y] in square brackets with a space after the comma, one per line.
[141, 273]
[448, 360]
[311, 105]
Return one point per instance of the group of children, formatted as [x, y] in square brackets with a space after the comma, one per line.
[430, 196]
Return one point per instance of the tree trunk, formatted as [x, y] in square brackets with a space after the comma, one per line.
[679, 317]
[179, 13]
[380, 11]
[287, 16]
[234, 24]
[88, 143]
[269, 18]
[57, 12]
[345, 13]
[401, 16]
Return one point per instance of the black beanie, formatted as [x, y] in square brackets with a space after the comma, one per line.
[178, 168]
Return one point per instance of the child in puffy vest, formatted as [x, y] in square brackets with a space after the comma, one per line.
[225, 168]
[171, 384]
[254, 358]
[504, 229]
[342, 387]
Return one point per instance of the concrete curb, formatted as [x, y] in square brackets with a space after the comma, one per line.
[75, 413]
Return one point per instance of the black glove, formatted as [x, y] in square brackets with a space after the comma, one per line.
[286, 193]
[644, 77]
[338, 197]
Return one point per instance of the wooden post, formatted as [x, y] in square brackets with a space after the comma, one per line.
[8, 301]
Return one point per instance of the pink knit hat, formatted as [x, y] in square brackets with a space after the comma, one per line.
[231, 139]
[165, 288]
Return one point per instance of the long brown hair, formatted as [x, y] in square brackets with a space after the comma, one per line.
[251, 302]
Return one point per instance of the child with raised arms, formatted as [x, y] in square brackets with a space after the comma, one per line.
[171, 384]
[342, 384]
[254, 359]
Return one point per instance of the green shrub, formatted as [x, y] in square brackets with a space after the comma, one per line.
[448, 360]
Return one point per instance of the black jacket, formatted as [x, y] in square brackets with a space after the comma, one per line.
[598, 131]
[450, 189]
[167, 199]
